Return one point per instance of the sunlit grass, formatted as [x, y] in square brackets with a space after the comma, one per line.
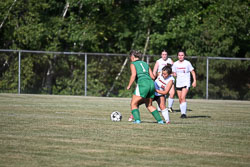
[43, 130]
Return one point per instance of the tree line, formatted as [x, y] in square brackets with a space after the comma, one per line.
[214, 28]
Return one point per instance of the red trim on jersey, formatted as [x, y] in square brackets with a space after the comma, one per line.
[162, 82]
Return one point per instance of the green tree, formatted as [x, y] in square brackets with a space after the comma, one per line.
[201, 28]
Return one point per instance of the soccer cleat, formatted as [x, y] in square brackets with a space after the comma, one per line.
[130, 118]
[160, 122]
[170, 109]
[167, 122]
[183, 116]
[137, 122]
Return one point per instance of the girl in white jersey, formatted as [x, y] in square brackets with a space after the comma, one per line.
[163, 61]
[182, 69]
[163, 84]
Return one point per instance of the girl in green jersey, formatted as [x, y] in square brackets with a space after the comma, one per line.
[142, 74]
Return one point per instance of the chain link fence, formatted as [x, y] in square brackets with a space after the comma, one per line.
[106, 74]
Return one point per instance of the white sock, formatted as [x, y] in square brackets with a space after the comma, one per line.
[165, 114]
[183, 107]
[158, 108]
[170, 102]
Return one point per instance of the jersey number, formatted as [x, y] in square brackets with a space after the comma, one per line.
[142, 67]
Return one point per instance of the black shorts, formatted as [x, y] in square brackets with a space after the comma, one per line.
[180, 88]
[157, 98]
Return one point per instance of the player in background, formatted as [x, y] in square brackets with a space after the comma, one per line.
[163, 85]
[182, 69]
[160, 63]
[142, 74]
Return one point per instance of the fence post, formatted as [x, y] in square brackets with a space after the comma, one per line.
[19, 72]
[85, 77]
[207, 78]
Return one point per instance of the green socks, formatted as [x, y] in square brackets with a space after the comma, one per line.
[136, 114]
[156, 115]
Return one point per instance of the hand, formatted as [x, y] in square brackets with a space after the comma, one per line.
[194, 84]
[128, 87]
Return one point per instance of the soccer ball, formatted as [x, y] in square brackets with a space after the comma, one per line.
[116, 116]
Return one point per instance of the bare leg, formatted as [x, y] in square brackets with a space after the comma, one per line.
[171, 98]
[139, 103]
[152, 109]
[164, 109]
[182, 99]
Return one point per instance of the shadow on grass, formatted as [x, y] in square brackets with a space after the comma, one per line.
[180, 110]
[196, 116]
[199, 116]
[174, 122]
[149, 122]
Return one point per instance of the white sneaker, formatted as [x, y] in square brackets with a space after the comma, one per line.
[130, 118]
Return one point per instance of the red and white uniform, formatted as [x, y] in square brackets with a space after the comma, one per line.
[182, 70]
[161, 83]
[163, 63]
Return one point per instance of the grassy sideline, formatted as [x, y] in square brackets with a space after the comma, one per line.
[46, 130]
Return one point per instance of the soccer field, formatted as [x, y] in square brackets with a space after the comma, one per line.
[48, 130]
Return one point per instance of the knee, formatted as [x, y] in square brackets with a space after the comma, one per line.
[133, 104]
[151, 108]
[182, 100]
[162, 106]
[171, 95]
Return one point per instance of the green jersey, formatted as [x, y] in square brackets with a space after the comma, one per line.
[142, 70]
[145, 85]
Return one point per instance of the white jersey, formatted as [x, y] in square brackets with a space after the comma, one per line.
[163, 63]
[182, 70]
[161, 83]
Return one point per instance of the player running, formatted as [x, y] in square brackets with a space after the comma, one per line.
[182, 69]
[142, 74]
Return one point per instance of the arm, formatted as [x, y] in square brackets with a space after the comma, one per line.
[172, 62]
[151, 74]
[167, 88]
[194, 78]
[132, 77]
[155, 69]
[174, 70]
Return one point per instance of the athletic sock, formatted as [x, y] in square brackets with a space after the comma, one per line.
[158, 108]
[156, 115]
[183, 107]
[170, 102]
[136, 114]
[165, 114]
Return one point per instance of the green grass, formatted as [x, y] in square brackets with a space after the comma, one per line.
[43, 130]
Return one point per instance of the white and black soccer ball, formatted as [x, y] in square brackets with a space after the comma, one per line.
[116, 116]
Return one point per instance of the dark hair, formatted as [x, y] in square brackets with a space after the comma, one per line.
[164, 50]
[167, 68]
[135, 53]
[181, 51]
